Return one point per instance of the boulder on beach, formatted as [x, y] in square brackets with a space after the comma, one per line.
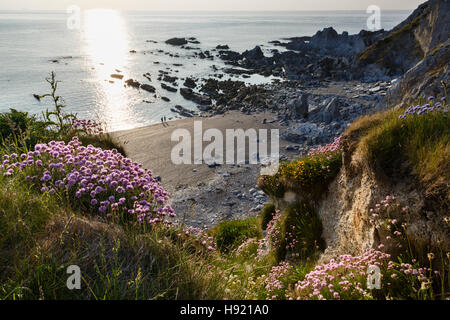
[182, 111]
[299, 107]
[170, 79]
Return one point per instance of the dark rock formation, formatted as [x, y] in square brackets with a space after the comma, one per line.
[190, 83]
[133, 83]
[427, 32]
[408, 43]
[148, 88]
[168, 88]
[188, 94]
[177, 41]
[117, 76]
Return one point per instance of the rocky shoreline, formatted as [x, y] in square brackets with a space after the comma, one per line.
[319, 85]
[302, 73]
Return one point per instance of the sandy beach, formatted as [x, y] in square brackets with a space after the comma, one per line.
[205, 195]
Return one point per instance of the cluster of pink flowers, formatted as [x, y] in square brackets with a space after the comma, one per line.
[247, 246]
[345, 275]
[389, 218]
[273, 282]
[273, 230]
[329, 148]
[200, 237]
[98, 180]
[291, 239]
[88, 126]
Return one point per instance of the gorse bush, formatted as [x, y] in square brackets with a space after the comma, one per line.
[308, 176]
[272, 185]
[312, 174]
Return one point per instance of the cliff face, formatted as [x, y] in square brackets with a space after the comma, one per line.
[419, 36]
[345, 209]
[424, 79]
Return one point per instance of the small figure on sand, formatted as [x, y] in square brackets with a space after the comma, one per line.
[164, 121]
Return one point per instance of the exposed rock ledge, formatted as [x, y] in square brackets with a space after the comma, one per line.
[344, 211]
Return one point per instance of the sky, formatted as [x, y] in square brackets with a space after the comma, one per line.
[210, 5]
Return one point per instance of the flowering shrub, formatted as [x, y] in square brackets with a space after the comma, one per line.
[248, 248]
[88, 126]
[276, 280]
[310, 174]
[403, 277]
[307, 175]
[273, 231]
[343, 278]
[336, 146]
[431, 106]
[272, 185]
[199, 237]
[95, 180]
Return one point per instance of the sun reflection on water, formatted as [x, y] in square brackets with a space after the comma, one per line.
[107, 50]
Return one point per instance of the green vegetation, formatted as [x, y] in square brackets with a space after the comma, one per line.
[302, 231]
[229, 234]
[308, 176]
[40, 239]
[51, 218]
[20, 131]
[267, 214]
[416, 146]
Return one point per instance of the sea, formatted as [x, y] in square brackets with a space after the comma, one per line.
[84, 50]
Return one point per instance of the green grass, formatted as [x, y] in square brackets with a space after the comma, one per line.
[267, 214]
[417, 146]
[301, 223]
[39, 239]
[230, 234]
[40, 235]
